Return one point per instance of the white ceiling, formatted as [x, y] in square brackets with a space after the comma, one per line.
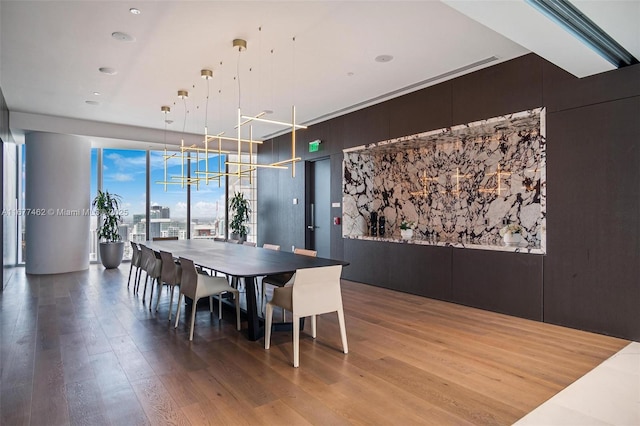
[51, 52]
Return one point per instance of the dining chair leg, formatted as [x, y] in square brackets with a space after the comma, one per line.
[343, 330]
[193, 318]
[154, 283]
[136, 284]
[130, 271]
[171, 301]
[158, 298]
[267, 326]
[220, 307]
[144, 290]
[313, 326]
[296, 341]
[178, 311]
[211, 303]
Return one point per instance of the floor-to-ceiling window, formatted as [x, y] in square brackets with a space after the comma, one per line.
[21, 202]
[248, 186]
[168, 207]
[208, 199]
[10, 214]
[124, 172]
[93, 221]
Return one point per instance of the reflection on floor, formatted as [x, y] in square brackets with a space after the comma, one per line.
[607, 395]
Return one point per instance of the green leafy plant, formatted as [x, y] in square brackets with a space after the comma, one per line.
[512, 228]
[241, 210]
[404, 225]
[107, 205]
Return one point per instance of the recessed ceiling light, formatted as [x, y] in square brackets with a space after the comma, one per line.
[96, 93]
[135, 11]
[119, 35]
[384, 58]
[108, 70]
[92, 102]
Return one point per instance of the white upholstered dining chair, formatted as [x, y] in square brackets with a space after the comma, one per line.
[136, 257]
[315, 291]
[196, 286]
[280, 280]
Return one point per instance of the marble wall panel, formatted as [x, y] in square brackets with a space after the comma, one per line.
[459, 184]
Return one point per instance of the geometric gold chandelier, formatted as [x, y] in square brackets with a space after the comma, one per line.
[205, 151]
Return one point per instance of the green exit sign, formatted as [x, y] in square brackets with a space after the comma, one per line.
[314, 146]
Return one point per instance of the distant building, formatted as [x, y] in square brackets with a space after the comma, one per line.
[203, 231]
[123, 231]
[159, 212]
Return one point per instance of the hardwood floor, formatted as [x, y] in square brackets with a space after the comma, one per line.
[81, 348]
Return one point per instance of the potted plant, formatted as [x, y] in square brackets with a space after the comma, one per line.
[406, 230]
[512, 234]
[241, 209]
[107, 206]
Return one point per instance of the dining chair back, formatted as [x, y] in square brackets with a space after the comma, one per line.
[280, 280]
[315, 291]
[248, 243]
[305, 252]
[271, 247]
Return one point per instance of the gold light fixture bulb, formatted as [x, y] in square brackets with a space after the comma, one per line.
[240, 44]
[206, 74]
[183, 94]
[165, 108]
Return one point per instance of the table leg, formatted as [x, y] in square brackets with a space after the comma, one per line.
[254, 331]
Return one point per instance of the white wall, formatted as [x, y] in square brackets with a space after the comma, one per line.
[58, 175]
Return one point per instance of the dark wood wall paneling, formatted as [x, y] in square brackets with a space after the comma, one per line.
[589, 278]
[420, 111]
[592, 269]
[592, 276]
[509, 283]
[512, 86]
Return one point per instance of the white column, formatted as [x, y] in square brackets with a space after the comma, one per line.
[57, 199]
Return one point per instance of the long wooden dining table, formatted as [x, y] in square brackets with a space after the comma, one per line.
[243, 262]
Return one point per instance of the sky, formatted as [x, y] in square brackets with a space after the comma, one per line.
[124, 174]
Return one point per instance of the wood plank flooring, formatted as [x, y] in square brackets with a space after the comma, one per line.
[81, 348]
